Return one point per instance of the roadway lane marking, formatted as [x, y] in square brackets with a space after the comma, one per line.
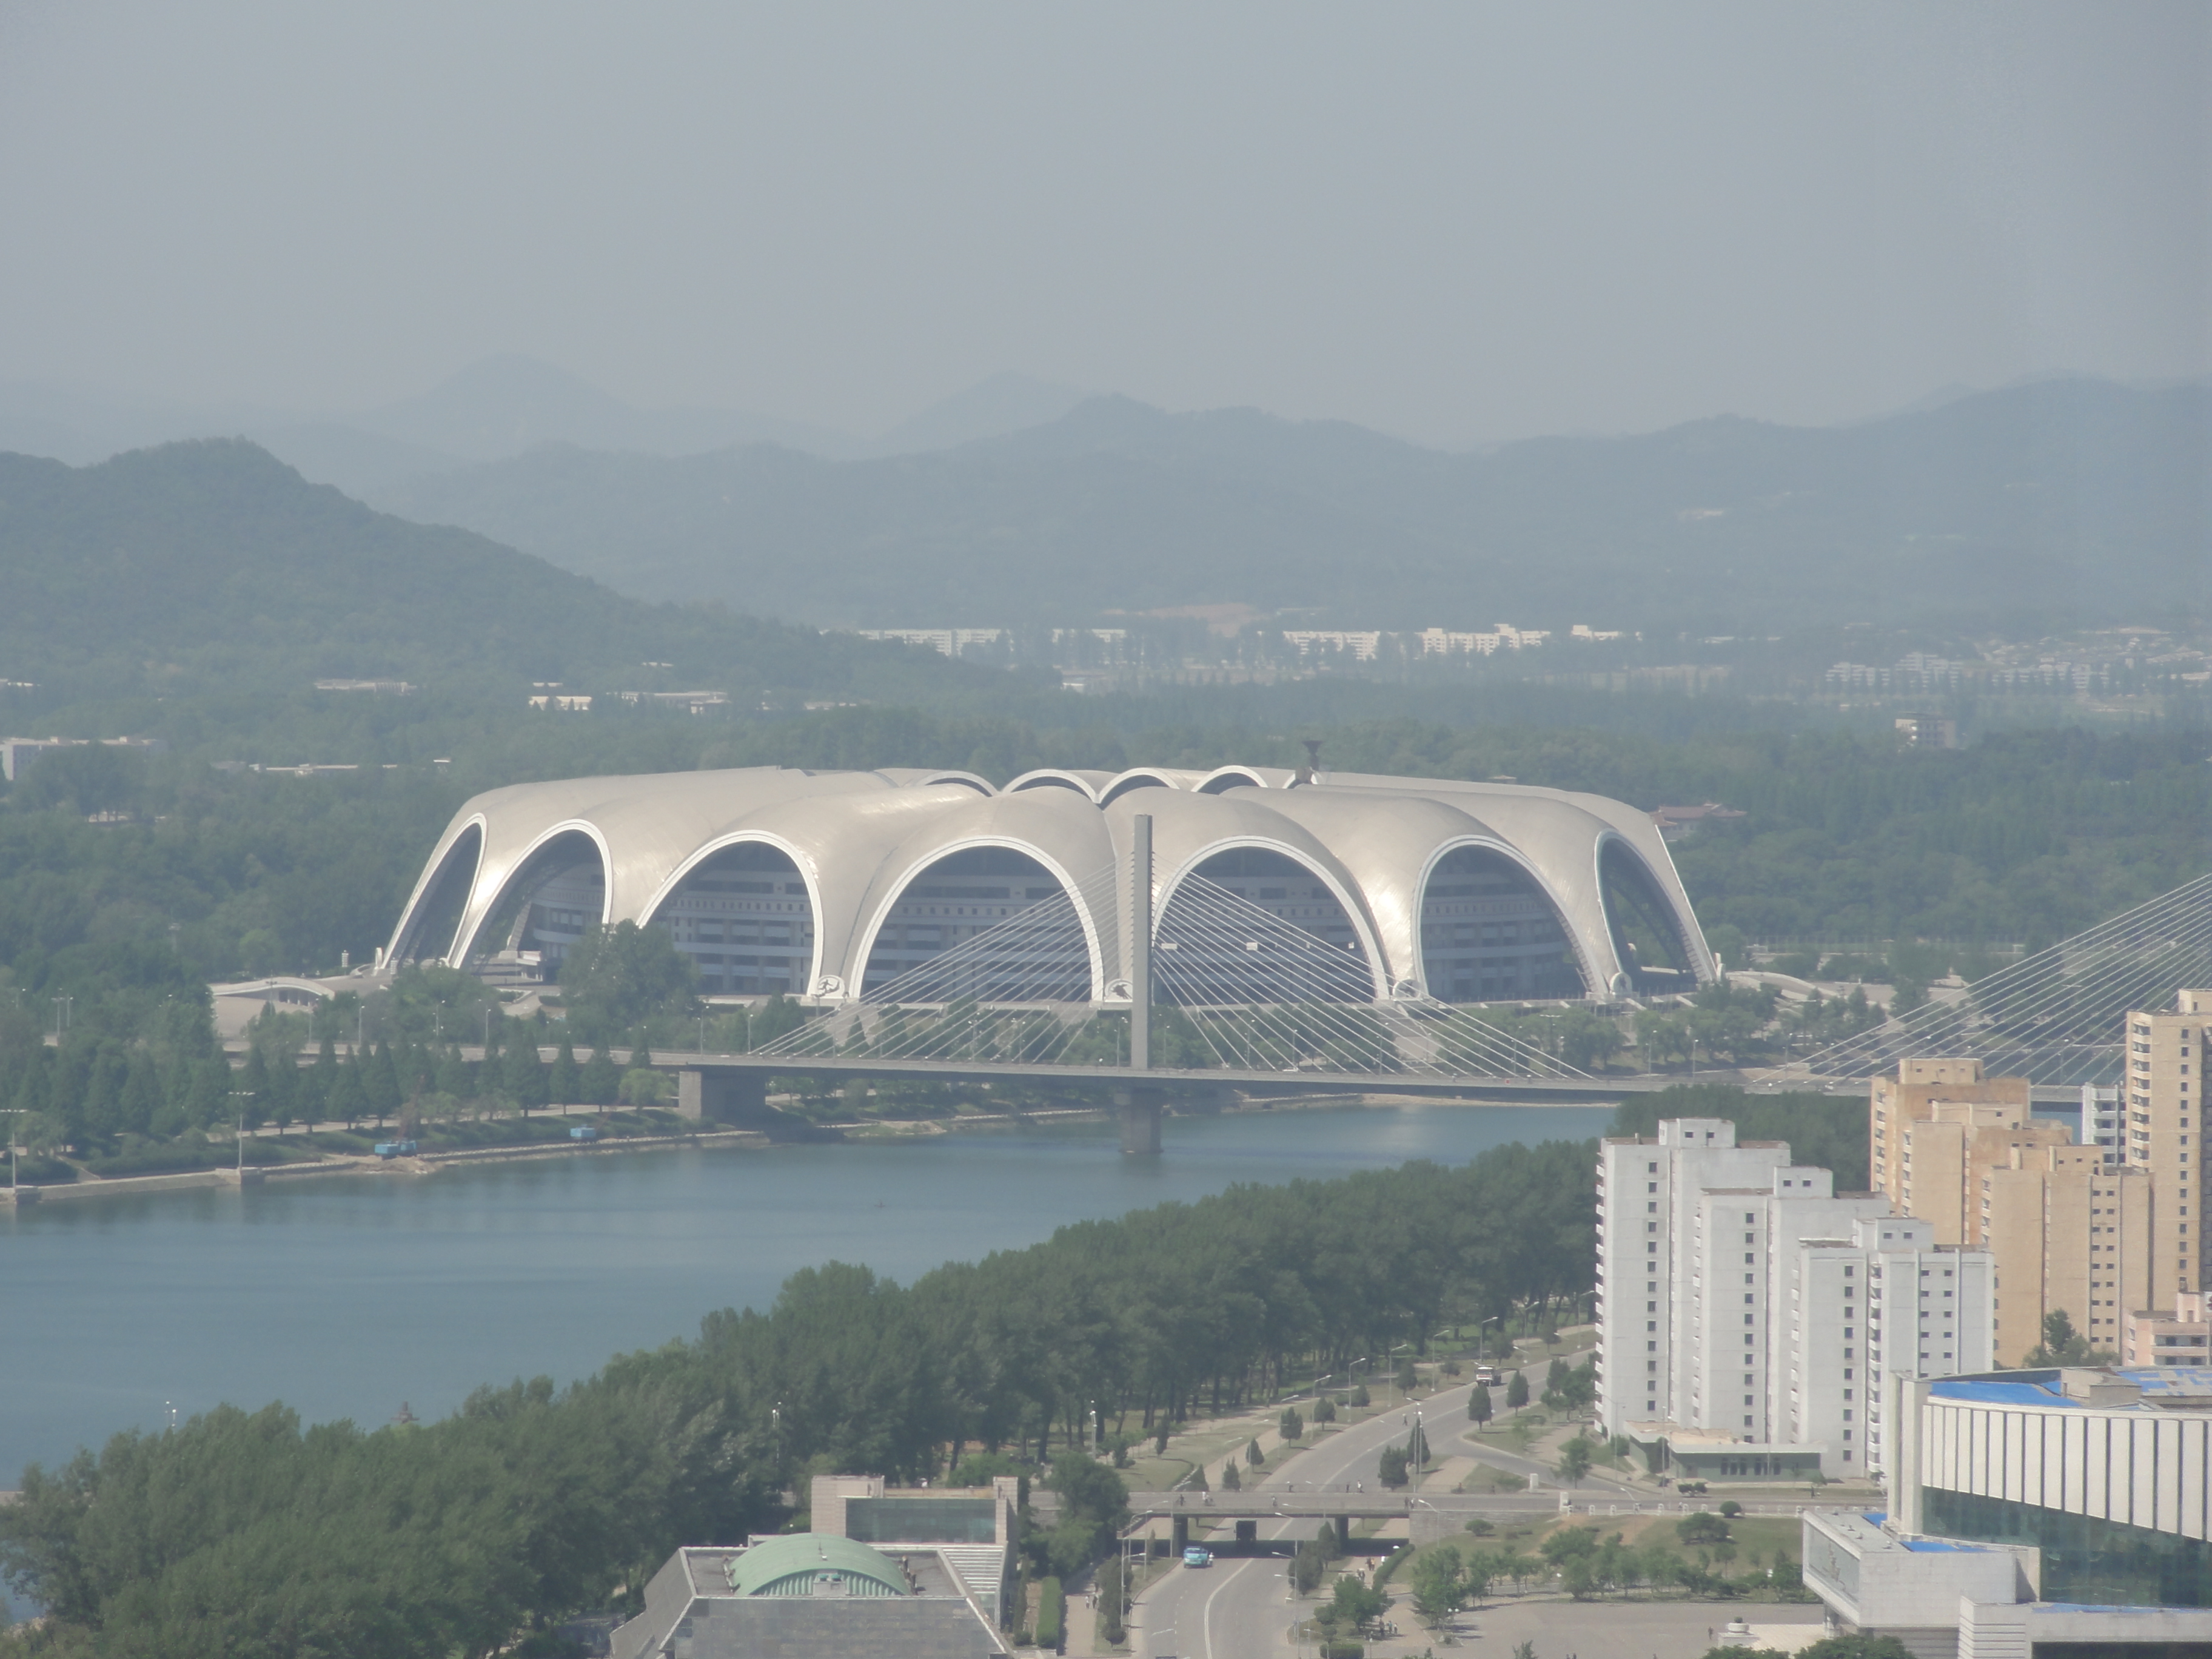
[1206, 1608]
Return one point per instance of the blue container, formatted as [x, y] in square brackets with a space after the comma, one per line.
[395, 1149]
[583, 1131]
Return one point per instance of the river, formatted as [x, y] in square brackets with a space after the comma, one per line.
[346, 1296]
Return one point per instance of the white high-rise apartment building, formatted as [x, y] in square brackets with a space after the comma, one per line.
[1747, 1311]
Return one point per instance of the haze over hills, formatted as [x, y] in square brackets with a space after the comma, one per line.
[210, 568]
[2072, 498]
[492, 411]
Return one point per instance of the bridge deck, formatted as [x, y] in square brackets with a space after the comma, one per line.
[1564, 1089]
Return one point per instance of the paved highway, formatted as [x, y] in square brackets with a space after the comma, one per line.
[1242, 1609]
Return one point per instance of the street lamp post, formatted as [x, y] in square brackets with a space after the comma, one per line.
[241, 1094]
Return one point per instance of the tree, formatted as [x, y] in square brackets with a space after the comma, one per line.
[565, 1086]
[1253, 1454]
[1570, 1544]
[1354, 1603]
[1857, 1647]
[614, 977]
[1439, 1585]
[1516, 1392]
[1230, 1480]
[1701, 1529]
[523, 1076]
[1290, 1425]
[1307, 1567]
[1479, 1408]
[1574, 1459]
[1052, 1615]
[1588, 1039]
[1416, 1449]
[2061, 1344]
[1108, 1583]
[601, 1082]
[1391, 1468]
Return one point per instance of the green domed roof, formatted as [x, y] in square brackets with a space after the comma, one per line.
[790, 1565]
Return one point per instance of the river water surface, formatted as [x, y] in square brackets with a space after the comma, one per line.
[345, 1297]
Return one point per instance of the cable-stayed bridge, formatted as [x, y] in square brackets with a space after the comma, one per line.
[2057, 1017]
[1223, 994]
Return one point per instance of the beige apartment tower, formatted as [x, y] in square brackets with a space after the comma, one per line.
[2065, 1231]
[1945, 1159]
[2161, 1101]
[1901, 1102]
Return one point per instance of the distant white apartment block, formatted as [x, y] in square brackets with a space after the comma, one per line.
[1747, 1311]
[2102, 1120]
[952, 641]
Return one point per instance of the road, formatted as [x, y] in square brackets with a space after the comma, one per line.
[1242, 1609]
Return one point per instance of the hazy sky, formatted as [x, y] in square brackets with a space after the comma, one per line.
[1457, 223]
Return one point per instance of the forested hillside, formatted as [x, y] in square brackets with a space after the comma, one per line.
[211, 568]
[2064, 503]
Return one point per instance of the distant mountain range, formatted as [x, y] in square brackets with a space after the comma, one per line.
[2062, 500]
[212, 569]
[490, 411]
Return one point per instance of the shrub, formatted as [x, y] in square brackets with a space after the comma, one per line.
[1731, 1508]
[1702, 1528]
[1109, 1586]
[1052, 1615]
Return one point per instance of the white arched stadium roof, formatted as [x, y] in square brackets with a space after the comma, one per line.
[859, 837]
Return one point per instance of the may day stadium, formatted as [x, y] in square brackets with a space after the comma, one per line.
[908, 889]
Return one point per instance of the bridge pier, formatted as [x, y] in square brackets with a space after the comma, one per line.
[720, 1096]
[1139, 1112]
[1179, 1534]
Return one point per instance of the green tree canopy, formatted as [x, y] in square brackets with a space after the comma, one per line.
[615, 977]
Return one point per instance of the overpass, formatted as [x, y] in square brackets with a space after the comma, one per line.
[1427, 1514]
[1339, 1505]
